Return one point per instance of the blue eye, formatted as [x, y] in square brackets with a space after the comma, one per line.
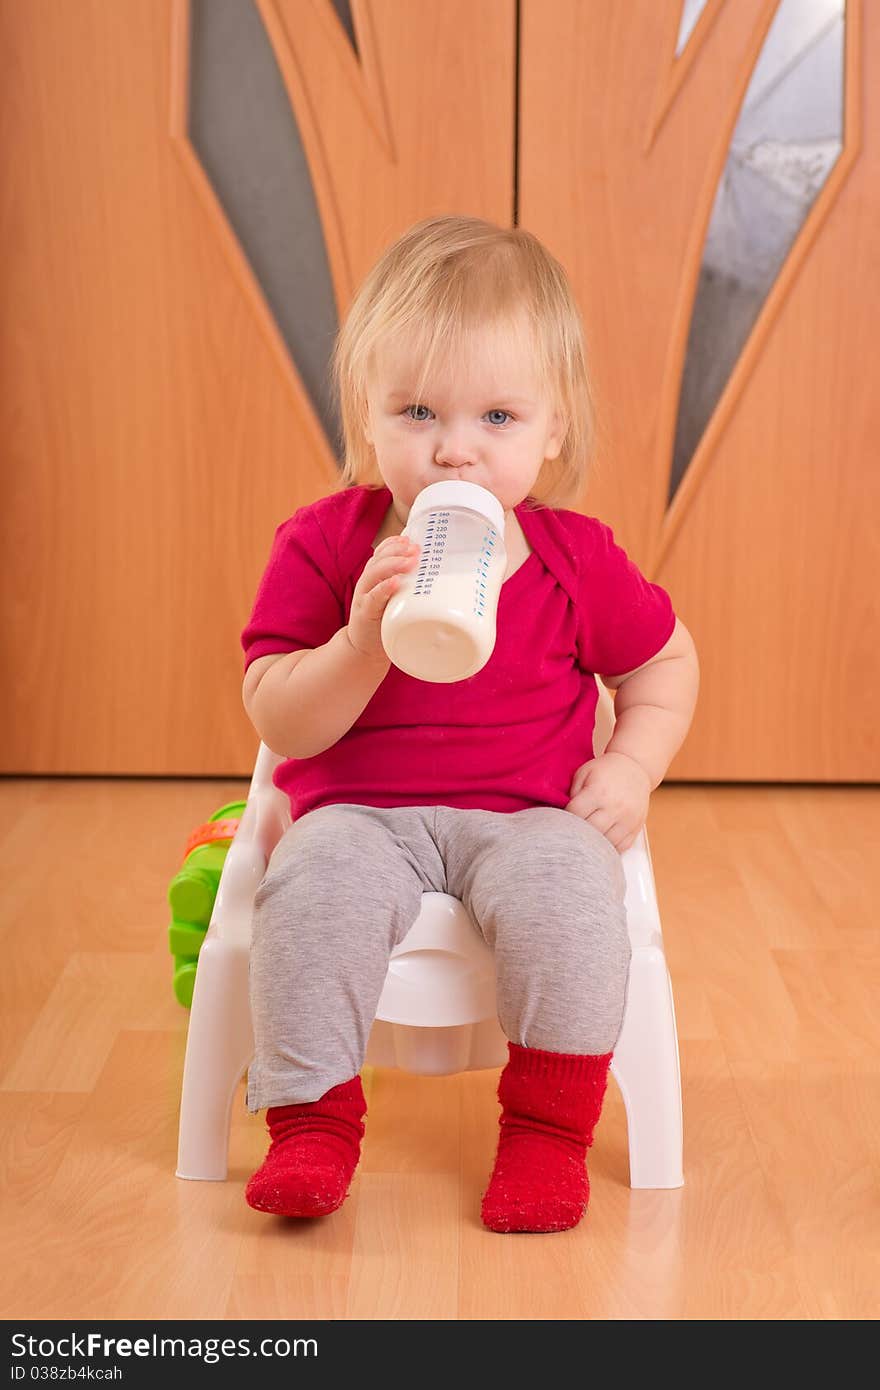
[421, 420]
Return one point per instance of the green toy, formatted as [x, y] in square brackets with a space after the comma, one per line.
[192, 891]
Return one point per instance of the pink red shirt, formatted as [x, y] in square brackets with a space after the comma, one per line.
[509, 737]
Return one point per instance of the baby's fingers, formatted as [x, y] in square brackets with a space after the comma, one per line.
[384, 585]
[400, 557]
[381, 570]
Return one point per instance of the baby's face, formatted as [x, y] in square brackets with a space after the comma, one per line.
[482, 421]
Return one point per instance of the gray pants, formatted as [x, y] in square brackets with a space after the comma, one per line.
[343, 887]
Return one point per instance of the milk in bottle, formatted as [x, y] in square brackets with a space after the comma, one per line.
[439, 624]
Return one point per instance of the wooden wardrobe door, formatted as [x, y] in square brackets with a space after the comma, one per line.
[155, 424]
[770, 544]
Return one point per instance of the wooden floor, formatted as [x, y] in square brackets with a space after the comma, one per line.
[769, 911]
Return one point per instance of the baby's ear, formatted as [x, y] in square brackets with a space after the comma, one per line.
[556, 438]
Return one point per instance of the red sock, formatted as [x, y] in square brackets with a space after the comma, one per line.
[314, 1151]
[550, 1103]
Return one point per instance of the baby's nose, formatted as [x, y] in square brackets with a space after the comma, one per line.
[453, 458]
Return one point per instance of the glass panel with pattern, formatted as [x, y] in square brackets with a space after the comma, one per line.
[786, 141]
[245, 134]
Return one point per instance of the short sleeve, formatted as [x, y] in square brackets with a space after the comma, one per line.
[623, 620]
[296, 604]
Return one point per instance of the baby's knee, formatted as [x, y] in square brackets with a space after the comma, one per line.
[335, 873]
[566, 844]
[553, 881]
[314, 855]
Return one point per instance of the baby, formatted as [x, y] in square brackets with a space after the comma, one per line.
[461, 356]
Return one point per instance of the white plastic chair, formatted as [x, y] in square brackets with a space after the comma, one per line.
[436, 1014]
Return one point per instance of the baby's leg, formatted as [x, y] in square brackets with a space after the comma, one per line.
[547, 891]
[343, 887]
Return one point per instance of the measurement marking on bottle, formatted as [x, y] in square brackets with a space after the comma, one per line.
[434, 553]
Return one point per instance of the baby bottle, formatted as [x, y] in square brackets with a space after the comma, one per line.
[439, 624]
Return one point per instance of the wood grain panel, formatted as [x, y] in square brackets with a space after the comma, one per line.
[154, 429]
[771, 542]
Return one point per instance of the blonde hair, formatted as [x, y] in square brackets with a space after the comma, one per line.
[444, 277]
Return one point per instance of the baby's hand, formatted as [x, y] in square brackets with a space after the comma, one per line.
[378, 583]
[612, 792]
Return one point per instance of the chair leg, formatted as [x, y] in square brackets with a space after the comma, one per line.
[646, 1068]
[219, 1048]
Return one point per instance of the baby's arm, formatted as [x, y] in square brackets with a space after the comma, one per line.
[653, 711]
[654, 705]
[305, 701]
